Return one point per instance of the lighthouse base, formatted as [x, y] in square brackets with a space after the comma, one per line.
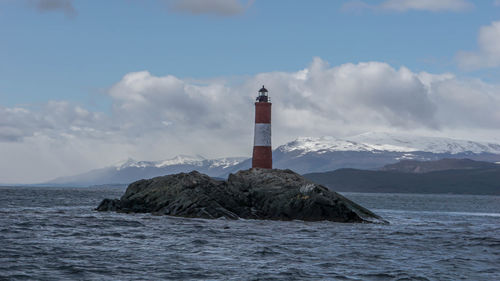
[262, 157]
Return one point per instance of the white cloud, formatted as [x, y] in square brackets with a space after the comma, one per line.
[65, 6]
[496, 3]
[216, 7]
[54, 117]
[488, 54]
[407, 5]
[154, 118]
[426, 5]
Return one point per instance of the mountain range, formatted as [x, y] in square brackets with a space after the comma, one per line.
[367, 151]
[456, 176]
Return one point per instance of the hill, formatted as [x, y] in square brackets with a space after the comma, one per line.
[465, 177]
[415, 166]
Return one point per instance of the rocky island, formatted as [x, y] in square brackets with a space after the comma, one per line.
[250, 194]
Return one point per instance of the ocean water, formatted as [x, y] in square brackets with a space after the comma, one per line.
[54, 234]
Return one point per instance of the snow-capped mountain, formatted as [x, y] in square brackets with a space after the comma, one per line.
[131, 170]
[389, 142]
[303, 155]
[183, 160]
[374, 150]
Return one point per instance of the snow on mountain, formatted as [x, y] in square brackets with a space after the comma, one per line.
[181, 160]
[132, 163]
[131, 170]
[188, 160]
[388, 142]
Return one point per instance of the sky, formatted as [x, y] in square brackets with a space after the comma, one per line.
[85, 84]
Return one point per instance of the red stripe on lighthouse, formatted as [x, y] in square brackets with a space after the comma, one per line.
[263, 112]
[262, 157]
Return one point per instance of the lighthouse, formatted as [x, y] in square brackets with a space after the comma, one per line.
[262, 152]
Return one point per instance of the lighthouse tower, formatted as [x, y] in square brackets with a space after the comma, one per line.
[262, 152]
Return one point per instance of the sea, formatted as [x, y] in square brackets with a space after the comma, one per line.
[54, 233]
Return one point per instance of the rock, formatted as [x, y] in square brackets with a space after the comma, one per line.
[109, 205]
[250, 194]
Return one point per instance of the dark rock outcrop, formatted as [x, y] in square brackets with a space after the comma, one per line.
[250, 194]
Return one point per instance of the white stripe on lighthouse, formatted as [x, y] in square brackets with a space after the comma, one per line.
[262, 136]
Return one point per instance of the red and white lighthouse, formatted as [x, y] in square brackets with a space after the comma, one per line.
[262, 152]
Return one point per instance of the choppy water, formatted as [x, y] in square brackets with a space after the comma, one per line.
[53, 233]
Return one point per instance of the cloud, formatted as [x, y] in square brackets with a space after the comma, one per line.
[407, 5]
[496, 3]
[65, 6]
[215, 7]
[52, 119]
[488, 54]
[426, 5]
[156, 117]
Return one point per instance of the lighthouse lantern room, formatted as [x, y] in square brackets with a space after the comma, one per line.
[262, 152]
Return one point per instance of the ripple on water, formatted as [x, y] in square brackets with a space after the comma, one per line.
[47, 238]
